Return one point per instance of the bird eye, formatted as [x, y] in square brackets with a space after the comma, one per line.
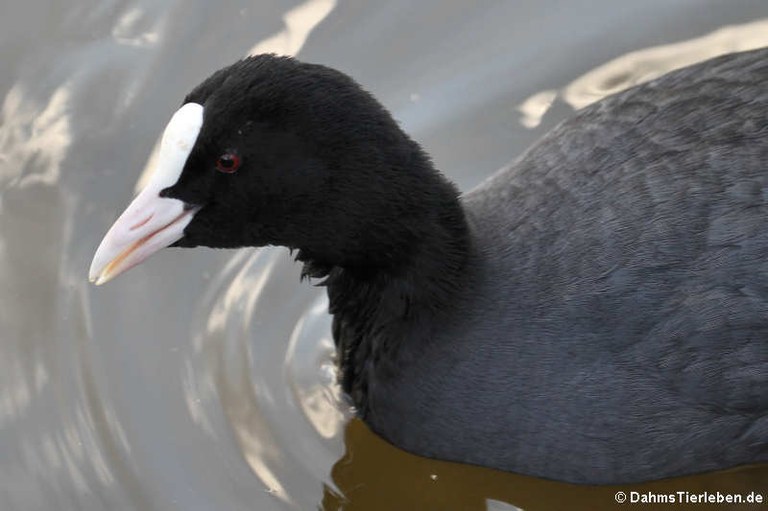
[228, 163]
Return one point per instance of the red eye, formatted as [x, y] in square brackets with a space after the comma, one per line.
[228, 163]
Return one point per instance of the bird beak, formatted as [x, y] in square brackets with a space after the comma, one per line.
[152, 222]
[149, 224]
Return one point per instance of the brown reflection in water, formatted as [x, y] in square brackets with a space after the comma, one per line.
[376, 476]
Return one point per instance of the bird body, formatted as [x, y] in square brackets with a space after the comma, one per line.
[615, 327]
[596, 312]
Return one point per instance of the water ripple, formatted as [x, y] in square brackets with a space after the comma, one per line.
[285, 419]
[644, 65]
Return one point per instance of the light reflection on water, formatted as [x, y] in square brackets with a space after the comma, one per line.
[287, 417]
[204, 380]
[644, 65]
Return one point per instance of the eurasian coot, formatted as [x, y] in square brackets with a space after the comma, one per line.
[597, 312]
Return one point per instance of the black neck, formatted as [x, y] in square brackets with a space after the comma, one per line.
[374, 306]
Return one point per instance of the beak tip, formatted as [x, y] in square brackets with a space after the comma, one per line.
[93, 274]
[95, 279]
[99, 278]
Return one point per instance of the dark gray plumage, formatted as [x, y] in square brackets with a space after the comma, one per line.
[615, 324]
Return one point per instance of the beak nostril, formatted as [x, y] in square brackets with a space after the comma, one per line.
[143, 222]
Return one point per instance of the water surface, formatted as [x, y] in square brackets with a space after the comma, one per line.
[204, 379]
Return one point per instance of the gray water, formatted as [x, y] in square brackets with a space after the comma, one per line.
[204, 380]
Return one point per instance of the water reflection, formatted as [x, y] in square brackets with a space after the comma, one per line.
[205, 380]
[374, 476]
[135, 28]
[36, 133]
[299, 23]
[286, 418]
[644, 65]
